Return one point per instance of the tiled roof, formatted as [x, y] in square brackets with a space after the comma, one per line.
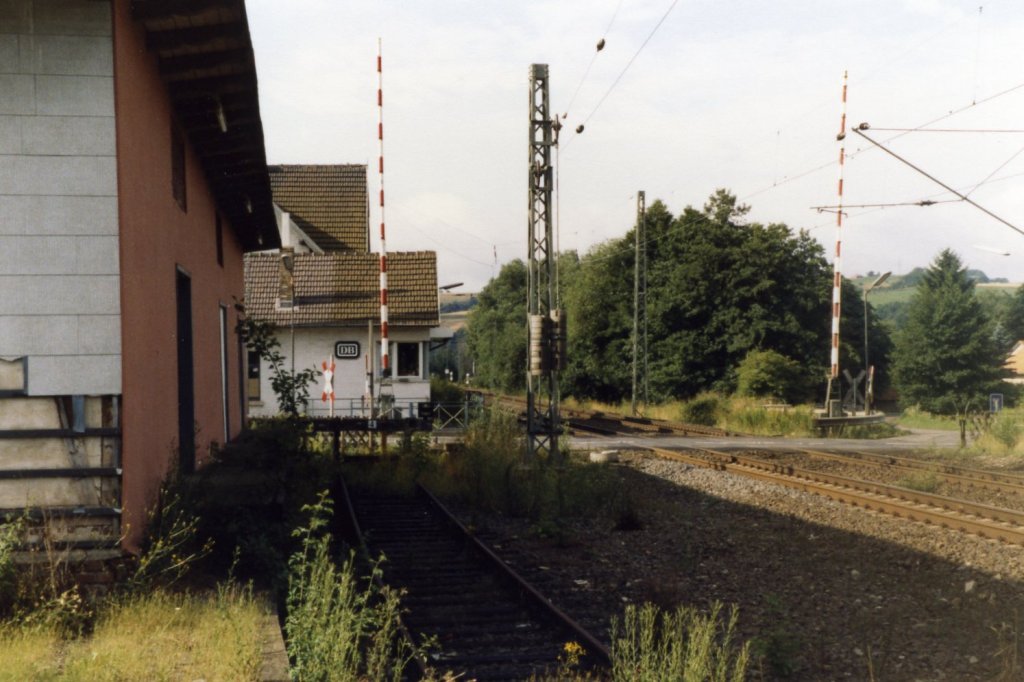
[329, 203]
[343, 288]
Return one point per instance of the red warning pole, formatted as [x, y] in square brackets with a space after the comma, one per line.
[837, 264]
[384, 354]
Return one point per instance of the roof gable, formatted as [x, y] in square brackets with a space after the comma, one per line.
[343, 288]
[328, 202]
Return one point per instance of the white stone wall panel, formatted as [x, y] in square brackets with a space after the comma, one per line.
[66, 55]
[59, 295]
[58, 215]
[69, 374]
[59, 254]
[58, 175]
[19, 94]
[74, 95]
[68, 136]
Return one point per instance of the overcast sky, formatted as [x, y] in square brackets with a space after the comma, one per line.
[740, 95]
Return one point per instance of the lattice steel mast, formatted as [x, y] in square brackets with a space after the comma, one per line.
[545, 328]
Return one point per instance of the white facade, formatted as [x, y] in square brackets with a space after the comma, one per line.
[59, 274]
[314, 346]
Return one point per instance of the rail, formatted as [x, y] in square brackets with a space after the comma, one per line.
[984, 520]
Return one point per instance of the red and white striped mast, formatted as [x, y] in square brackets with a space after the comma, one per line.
[385, 364]
[837, 264]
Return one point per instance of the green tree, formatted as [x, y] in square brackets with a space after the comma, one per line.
[717, 289]
[1013, 320]
[945, 359]
[497, 330]
[720, 289]
[599, 304]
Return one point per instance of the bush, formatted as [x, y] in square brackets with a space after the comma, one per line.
[11, 531]
[1006, 428]
[766, 373]
[705, 409]
[444, 391]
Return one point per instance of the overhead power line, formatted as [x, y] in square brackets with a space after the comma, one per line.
[857, 129]
[905, 131]
[948, 130]
[622, 73]
[922, 202]
[593, 58]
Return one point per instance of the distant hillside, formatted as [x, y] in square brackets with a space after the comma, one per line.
[890, 299]
[455, 309]
[913, 278]
[452, 303]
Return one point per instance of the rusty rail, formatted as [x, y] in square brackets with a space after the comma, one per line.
[984, 520]
[965, 476]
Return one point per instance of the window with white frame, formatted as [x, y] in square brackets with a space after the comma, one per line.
[407, 359]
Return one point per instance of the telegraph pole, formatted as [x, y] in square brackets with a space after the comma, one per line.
[546, 324]
[640, 299]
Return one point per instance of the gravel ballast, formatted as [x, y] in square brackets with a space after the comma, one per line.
[825, 591]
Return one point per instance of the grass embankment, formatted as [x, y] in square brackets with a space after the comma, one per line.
[156, 636]
[739, 414]
[1000, 435]
[753, 416]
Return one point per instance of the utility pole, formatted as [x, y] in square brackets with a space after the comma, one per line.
[640, 300]
[546, 324]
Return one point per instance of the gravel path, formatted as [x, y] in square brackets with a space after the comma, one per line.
[826, 591]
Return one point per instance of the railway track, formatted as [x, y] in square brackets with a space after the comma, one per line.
[979, 519]
[610, 424]
[1004, 482]
[491, 623]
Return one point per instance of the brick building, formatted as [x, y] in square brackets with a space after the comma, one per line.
[132, 180]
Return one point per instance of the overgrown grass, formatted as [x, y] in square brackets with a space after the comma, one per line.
[733, 413]
[925, 482]
[649, 645]
[146, 637]
[340, 626]
[914, 418]
[872, 431]
[1002, 434]
[491, 474]
[751, 416]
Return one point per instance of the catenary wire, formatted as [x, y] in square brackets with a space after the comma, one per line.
[907, 131]
[593, 58]
[626, 68]
[939, 182]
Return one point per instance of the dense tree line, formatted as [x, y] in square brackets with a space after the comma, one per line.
[719, 288]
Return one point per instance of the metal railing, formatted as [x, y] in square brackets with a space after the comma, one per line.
[442, 415]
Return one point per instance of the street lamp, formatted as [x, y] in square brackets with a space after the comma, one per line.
[867, 365]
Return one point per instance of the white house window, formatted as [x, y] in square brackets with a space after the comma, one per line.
[407, 357]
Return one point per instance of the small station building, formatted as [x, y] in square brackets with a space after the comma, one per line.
[321, 290]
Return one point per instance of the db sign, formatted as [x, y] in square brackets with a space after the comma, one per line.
[346, 350]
